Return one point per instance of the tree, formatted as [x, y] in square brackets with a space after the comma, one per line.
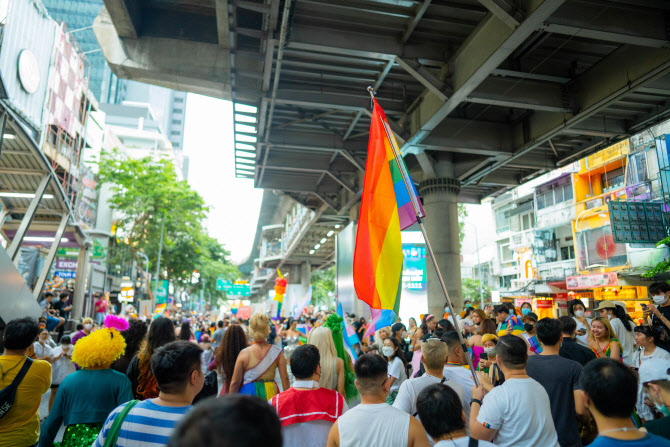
[662, 266]
[323, 284]
[147, 196]
[470, 290]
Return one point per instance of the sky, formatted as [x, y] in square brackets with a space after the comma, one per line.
[234, 203]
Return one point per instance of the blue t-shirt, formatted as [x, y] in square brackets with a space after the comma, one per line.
[648, 441]
[146, 425]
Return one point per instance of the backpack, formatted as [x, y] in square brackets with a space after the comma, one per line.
[8, 393]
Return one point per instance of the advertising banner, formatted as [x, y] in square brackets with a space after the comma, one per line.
[608, 279]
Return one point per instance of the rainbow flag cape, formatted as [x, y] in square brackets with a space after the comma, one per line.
[517, 326]
[386, 209]
[535, 345]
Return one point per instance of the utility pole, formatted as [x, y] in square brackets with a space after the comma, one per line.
[160, 248]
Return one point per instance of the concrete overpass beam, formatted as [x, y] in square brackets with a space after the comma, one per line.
[126, 16]
[486, 48]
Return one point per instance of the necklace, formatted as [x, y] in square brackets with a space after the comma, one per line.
[617, 429]
[4, 373]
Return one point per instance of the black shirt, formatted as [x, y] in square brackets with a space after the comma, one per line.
[660, 328]
[659, 427]
[560, 378]
[572, 350]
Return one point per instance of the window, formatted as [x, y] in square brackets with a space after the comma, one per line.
[175, 133]
[554, 193]
[506, 281]
[567, 252]
[613, 179]
[527, 221]
[178, 111]
[506, 255]
[502, 219]
[178, 100]
[177, 122]
[637, 168]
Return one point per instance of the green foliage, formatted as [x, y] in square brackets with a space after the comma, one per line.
[323, 283]
[470, 290]
[146, 195]
[662, 266]
[462, 214]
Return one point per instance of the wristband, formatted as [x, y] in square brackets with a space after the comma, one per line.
[476, 401]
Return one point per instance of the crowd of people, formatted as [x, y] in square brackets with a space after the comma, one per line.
[570, 381]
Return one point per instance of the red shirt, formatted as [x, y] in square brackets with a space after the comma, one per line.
[294, 407]
[100, 306]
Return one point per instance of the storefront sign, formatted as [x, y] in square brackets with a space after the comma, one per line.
[544, 304]
[66, 265]
[561, 296]
[244, 312]
[592, 281]
[608, 154]
[70, 274]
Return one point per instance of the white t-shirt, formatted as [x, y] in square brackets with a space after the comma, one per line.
[42, 351]
[463, 377]
[462, 442]
[397, 369]
[519, 409]
[638, 359]
[626, 338]
[374, 425]
[583, 339]
[63, 366]
[410, 389]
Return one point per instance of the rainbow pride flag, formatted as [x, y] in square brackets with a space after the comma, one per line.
[517, 326]
[386, 209]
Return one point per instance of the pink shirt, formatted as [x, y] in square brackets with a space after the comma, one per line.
[100, 306]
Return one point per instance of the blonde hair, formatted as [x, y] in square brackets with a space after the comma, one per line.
[87, 320]
[605, 322]
[435, 353]
[322, 338]
[259, 326]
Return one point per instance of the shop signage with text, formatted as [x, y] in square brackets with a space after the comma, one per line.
[608, 279]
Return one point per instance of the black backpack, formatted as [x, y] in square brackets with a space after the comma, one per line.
[8, 393]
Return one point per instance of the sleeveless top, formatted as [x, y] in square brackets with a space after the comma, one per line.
[374, 425]
[269, 375]
[608, 350]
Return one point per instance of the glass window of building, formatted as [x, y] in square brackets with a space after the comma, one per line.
[612, 180]
[567, 252]
[502, 219]
[506, 255]
[554, 193]
[506, 281]
[596, 248]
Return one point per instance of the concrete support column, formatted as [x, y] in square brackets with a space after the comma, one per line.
[440, 204]
[80, 284]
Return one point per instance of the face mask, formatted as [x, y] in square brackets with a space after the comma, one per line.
[88, 327]
[387, 351]
[404, 334]
[525, 311]
[528, 327]
[490, 352]
[659, 299]
[579, 313]
[610, 316]
[446, 310]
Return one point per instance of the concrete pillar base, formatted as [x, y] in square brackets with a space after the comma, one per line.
[441, 222]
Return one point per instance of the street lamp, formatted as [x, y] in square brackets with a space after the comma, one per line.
[479, 267]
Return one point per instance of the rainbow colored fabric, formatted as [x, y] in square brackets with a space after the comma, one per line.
[517, 326]
[386, 209]
[264, 390]
[535, 345]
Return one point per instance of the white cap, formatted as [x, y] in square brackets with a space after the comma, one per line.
[654, 369]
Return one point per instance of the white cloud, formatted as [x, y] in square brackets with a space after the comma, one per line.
[234, 203]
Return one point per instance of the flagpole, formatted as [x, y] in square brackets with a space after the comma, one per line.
[429, 248]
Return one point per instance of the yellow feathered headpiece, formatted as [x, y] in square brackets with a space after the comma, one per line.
[103, 346]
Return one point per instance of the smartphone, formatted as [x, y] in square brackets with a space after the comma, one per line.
[643, 306]
[484, 356]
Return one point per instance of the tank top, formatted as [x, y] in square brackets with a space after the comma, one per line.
[377, 424]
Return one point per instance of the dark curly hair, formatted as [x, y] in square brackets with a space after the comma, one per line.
[161, 332]
[134, 335]
[233, 342]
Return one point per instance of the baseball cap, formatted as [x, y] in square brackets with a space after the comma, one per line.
[605, 304]
[654, 369]
[531, 315]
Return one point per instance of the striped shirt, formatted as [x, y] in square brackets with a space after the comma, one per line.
[146, 425]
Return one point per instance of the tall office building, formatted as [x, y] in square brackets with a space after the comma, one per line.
[169, 106]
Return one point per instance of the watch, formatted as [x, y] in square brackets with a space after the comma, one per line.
[476, 401]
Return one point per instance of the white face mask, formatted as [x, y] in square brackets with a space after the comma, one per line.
[610, 316]
[579, 313]
[491, 352]
[659, 299]
[387, 351]
[88, 327]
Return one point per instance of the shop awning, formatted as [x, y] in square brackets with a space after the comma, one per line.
[546, 289]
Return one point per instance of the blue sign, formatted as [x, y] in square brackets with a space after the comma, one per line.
[72, 274]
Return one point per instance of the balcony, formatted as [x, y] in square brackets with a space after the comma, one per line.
[556, 215]
[259, 275]
[558, 270]
[523, 239]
